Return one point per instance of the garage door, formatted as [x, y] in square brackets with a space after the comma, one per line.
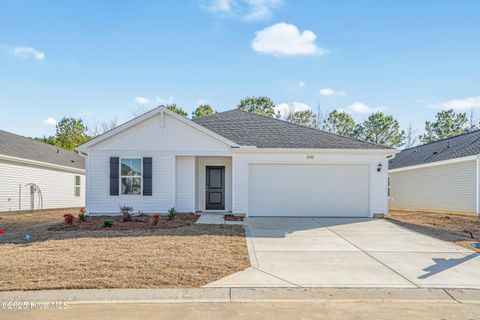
[308, 190]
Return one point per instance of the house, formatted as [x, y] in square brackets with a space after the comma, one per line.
[37, 175]
[439, 176]
[233, 161]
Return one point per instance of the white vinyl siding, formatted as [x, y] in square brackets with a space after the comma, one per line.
[185, 184]
[448, 187]
[55, 186]
[309, 190]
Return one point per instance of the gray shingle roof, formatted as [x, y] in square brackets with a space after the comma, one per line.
[21, 147]
[464, 145]
[250, 129]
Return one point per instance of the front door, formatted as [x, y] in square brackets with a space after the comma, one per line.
[215, 188]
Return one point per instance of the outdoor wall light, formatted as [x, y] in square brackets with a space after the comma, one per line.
[379, 167]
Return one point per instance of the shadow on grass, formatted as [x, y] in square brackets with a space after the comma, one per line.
[15, 232]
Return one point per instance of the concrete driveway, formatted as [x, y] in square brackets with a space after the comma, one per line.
[349, 252]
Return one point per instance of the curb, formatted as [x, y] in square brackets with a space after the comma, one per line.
[239, 295]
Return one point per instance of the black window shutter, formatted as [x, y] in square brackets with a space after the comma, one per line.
[114, 181]
[147, 176]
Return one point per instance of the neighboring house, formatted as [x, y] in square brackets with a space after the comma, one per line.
[36, 175]
[439, 176]
[233, 161]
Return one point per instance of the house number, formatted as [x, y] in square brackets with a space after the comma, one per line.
[310, 157]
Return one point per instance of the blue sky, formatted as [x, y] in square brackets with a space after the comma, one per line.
[104, 59]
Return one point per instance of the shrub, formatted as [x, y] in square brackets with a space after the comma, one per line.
[172, 213]
[82, 217]
[107, 223]
[126, 212]
[68, 218]
[155, 219]
[82, 210]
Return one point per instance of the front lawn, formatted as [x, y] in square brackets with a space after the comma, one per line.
[189, 256]
[458, 229]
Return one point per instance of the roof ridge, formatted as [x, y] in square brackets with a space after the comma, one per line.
[317, 129]
[444, 139]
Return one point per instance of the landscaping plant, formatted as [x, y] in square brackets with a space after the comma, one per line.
[68, 218]
[172, 213]
[107, 223]
[155, 219]
[126, 212]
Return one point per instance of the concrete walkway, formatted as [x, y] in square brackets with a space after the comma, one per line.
[343, 252]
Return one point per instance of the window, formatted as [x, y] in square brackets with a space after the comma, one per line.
[131, 176]
[78, 183]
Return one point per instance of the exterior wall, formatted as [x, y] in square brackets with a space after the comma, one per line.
[447, 187]
[167, 141]
[185, 184]
[57, 187]
[202, 163]
[378, 203]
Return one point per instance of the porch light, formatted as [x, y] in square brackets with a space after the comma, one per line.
[379, 167]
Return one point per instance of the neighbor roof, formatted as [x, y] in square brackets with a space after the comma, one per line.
[464, 145]
[22, 147]
[250, 129]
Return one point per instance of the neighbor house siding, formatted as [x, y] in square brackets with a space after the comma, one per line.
[448, 187]
[57, 187]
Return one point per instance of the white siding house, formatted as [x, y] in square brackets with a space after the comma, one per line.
[220, 163]
[441, 177]
[38, 176]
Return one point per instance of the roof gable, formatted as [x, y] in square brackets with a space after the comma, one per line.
[464, 145]
[161, 111]
[15, 146]
[250, 129]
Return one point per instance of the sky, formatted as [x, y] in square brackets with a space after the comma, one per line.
[100, 60]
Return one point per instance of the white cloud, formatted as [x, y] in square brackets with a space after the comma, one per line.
[27, 52]
[201, 101]
[286, 108]
[460, 104]
[330, 92]
[160, 100]
[50, 121]
[249, 10]
[141, 100]
[301, 84]
[283, 39]
[358, 107]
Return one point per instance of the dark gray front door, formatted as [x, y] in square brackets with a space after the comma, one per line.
[215, 188]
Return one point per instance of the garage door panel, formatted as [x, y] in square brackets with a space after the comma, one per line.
[308, 190]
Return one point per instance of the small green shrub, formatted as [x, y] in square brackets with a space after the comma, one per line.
[172, 213]
[126, 212]
[107, 223]
[82, 217]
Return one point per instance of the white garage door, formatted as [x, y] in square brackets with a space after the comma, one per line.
[308, 190]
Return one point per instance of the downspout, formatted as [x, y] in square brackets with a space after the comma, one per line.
[477, 198]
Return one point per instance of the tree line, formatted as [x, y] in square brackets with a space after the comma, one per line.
[379, 127]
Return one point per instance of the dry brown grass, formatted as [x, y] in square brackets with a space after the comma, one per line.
[459, 229]
[156, 258]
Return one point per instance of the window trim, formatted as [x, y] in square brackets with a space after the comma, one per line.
[75, 186]
[120, 176]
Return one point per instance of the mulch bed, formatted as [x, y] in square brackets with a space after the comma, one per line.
[142, 221]
[231, 217]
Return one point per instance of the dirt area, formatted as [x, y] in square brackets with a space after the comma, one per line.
[188, 256]
[458, 229]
